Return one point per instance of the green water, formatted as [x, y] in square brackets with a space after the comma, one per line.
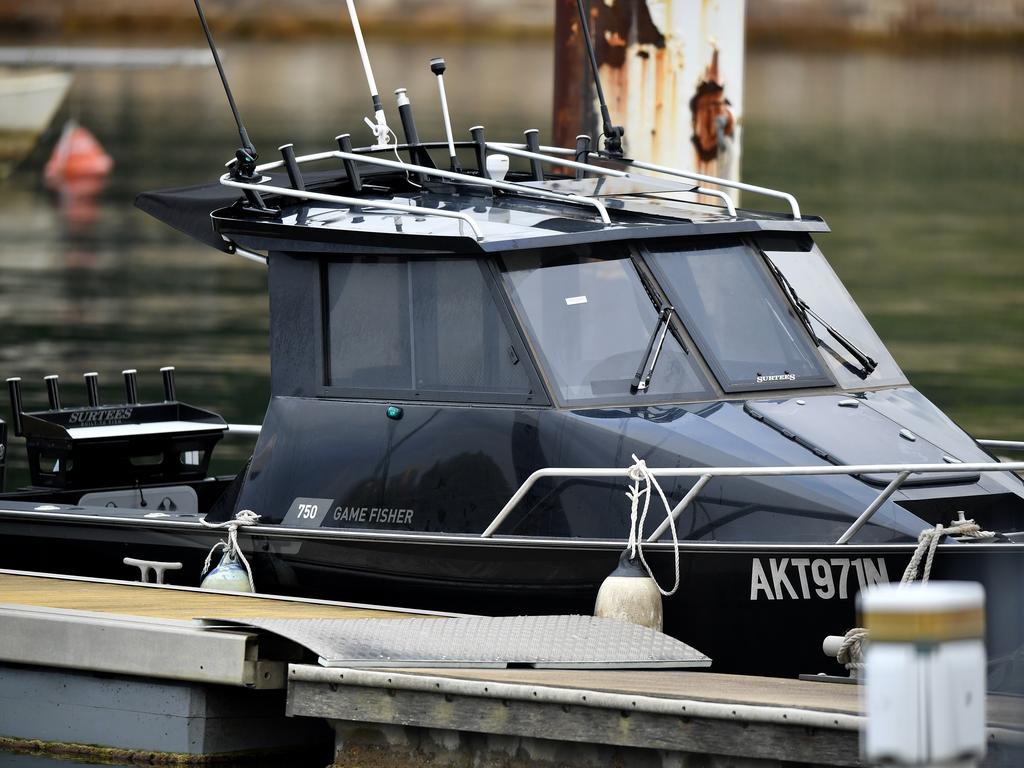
[916, 162]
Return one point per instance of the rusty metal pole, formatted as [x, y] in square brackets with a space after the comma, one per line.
[672, 72]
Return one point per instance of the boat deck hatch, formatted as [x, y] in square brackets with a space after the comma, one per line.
[555, 642]
[844, 430]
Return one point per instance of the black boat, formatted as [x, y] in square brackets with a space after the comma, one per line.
[465, 365]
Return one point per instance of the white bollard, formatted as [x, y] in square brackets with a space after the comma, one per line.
[924, 695]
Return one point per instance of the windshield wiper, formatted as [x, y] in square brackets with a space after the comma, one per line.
[642, 380]
[803, 309]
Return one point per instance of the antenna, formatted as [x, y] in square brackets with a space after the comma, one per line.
[612, 133]
[380, 128]
[437, 66]
[244, 166]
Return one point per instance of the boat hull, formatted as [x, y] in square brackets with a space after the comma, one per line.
[754, 608]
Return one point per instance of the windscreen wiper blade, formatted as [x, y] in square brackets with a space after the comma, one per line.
[866, 362]
[642, 379]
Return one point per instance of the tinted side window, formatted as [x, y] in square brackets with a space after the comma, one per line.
[426, 325]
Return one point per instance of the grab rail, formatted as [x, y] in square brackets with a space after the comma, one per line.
[519, 150]
[354, 202]
[506, 186]
[706, 474]
[1006, 445]
[766, 191]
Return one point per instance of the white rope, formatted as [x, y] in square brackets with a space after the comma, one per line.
[639, 473]
[851, 652]
[242, 517]
[401, 162]
[928, 542]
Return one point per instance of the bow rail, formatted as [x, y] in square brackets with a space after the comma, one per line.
[706, 474]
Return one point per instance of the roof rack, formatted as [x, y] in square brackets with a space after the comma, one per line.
[520, 150]
[506, 186]
[766, 191]
[354, 202]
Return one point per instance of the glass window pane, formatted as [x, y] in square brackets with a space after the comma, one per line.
[428, 325]
[816, 283]
[461, 342]
[751, 338]
[591, 320]
[369, 335]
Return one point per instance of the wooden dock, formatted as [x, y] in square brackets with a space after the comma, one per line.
[162, 602]
[192, 694]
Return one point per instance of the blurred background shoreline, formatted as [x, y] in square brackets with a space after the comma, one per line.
[800, 24]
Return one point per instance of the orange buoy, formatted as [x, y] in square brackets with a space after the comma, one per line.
[78, 155]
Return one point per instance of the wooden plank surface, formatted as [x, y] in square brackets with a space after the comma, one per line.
[1003, 711]
[167, 603]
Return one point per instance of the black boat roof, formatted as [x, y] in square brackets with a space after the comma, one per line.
[400, 209]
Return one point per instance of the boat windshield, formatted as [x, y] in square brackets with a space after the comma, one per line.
[806, 270]
[748, 332]
[591, 320]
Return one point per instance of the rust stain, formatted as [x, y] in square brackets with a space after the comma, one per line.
[572, 110]
[615, 24]
[712, 119]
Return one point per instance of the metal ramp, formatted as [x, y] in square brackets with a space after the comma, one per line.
[549, 642]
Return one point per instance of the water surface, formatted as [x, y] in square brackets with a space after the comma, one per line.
[916, 162]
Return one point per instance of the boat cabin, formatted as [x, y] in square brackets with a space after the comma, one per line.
[437, 336]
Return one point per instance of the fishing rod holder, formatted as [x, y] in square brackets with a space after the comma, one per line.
[97, 446]
[53, 391]
[417, 154]
[14, 390]
[345, 145]
[582, 151]
[92, 388]
[167, 372]
[294, 174]
[131, 386]
[480, 149]
[532, 136]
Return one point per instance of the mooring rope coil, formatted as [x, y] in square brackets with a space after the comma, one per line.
[243, 517]
[639, 473]
[851, 652]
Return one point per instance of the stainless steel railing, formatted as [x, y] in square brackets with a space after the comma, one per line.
[706, 474]
[355, 202]
[794, 206]
[519, 150]
[506, 186]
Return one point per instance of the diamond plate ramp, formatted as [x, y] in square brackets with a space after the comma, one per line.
[481, 641]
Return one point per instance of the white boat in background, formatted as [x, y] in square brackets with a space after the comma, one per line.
[29, 99]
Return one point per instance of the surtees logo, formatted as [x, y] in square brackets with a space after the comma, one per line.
[109, 416]
[775, 377]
